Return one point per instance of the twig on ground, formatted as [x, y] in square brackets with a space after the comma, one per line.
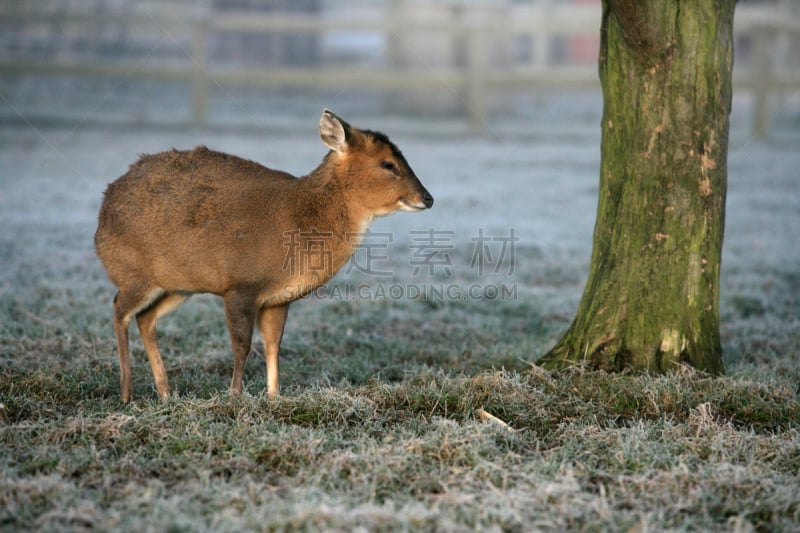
[489, 418]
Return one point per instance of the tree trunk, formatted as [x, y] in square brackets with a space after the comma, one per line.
[652, 298]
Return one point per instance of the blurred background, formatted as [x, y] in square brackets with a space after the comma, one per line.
[252, 63]
[496, 105]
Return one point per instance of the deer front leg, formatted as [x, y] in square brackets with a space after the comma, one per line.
[270, 323]
[240, 314]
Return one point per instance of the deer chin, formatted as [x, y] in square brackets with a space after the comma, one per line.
[405, 205]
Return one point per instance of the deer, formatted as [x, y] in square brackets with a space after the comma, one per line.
[179, 223]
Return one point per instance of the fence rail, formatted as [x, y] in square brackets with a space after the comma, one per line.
[477, 77]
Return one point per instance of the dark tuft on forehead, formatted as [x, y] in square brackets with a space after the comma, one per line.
[377, 136]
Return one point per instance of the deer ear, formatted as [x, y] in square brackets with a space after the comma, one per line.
[334, 132]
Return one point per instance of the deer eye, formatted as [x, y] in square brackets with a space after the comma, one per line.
[390, 166]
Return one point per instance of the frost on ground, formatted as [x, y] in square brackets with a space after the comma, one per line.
[378, 428]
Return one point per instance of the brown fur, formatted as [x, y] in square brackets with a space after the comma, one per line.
[183, 222]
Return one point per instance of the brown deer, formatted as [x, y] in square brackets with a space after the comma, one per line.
[200, 221]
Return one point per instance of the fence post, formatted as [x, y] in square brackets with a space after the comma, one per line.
[762, 72]
[199, 74]
[476, 74]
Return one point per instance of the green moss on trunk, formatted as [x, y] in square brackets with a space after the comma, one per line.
[651, 300]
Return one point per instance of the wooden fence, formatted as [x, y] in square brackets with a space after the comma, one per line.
[476, 78]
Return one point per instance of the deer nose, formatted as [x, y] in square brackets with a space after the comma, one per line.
[427, 199]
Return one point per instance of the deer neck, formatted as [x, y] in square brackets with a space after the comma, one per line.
[328, 213]
[334, 209]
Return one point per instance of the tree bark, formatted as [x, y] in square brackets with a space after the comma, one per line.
[652, 298]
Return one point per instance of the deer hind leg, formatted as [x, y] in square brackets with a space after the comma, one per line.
[127, 303]
[270, 323]
[240, 315]
[146, 320]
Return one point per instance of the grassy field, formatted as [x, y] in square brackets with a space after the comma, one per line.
[378, 427]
